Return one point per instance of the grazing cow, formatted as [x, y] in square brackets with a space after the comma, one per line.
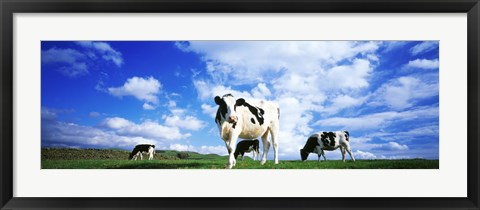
[149, 149]
[329, 141]
[247, 146]
[247, 120]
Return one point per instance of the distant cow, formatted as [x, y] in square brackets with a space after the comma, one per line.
[247, 120]
[247, 146]
[329, 141]
[149, 149]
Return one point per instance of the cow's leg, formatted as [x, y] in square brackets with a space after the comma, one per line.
[319, 152]
[141, 156]
[266, 147]
[323, 153]
[231, 149]
[349, 150]
[342, 149]
[253, 154]
[243, 156]
[150, 156]
[274, 132]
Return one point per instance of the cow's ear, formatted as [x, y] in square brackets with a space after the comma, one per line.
[240, 102]
[218, 100]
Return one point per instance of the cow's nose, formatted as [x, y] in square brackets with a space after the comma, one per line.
[232, 119]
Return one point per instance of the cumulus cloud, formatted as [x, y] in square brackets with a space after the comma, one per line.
[423, 64]
[424, 47]
[258, 61]
[209, 110]
[261, 91]
[147, 129]
[148, 106]
[186, 122]
[364, 155]
[208, 91]
[297, 75]
[394, 146]
[144, 89]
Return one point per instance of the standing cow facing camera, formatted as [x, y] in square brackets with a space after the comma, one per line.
[238, 118]
[321, 141]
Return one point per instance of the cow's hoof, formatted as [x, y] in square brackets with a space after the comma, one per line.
[263, 162]
[229, 167]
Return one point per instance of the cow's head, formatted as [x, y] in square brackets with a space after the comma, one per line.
[303, 154]
[226, 109]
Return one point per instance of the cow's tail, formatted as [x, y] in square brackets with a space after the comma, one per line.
[346, 135]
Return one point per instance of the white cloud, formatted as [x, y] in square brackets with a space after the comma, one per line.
[423, 64]
[146, 129]
[186, 122]
[207, 91]
[299, 76]
[71, 62]
[261, 91]
[55, 55]
[77, 135]
[349, 76]
[209, 110]
[104, 50]
[219, 150]
[48, 114]
[258, 61]
[402, 92]
[148, 106]
[370, 156]
[392, 45]
[342, 102]
[145, 89]
[74, 63]
[395, 146]
[364, 155]
[378, 120]
[117, 123]
[424, 47]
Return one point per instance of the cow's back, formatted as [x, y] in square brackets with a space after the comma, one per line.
[256, 118]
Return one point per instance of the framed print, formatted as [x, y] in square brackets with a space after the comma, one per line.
[239, 105]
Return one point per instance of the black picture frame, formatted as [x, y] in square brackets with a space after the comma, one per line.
[9, 7]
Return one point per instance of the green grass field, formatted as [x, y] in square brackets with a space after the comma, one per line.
[117, 159]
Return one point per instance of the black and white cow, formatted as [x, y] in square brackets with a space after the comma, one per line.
[149, 149]
[329, 141]
[247, 120]
[247, 146]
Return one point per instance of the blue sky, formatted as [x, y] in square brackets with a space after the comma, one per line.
[115, 94]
